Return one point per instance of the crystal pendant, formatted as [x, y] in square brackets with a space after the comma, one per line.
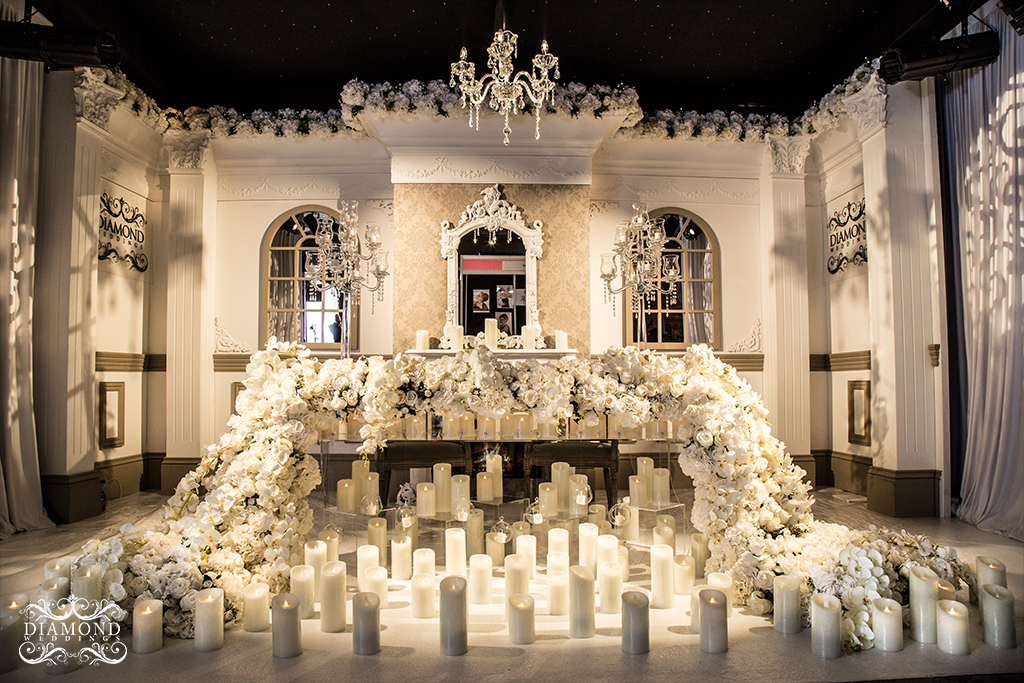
[405, 517]
[533, 513]
[370, 505]
[619, 514]
[461, 509]
[502, 530]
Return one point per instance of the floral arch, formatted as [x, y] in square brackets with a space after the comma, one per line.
[750, 498]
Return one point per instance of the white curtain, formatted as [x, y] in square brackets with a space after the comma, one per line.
[985, 113]
[21, 92]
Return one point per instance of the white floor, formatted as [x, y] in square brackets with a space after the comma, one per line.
[410, 647]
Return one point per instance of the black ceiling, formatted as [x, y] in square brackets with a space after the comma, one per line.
[769, 56]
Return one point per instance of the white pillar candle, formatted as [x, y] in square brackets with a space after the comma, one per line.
[443, 484]
[426, 504]
[369, 487]
[331, 538]
[631, 532]
[377, 583]
[665, 519]
[480, 576]
[366, 556]
[598, 513]
[695, 606]
[951, 627]
[714, 621]
[401, 558]
[455, 552]
[54, 590]
[12, 634]
[609, 581]
[558, 541]
[886, 623]
[638, 491]
[346, 495]
[529, 334]
[457, 341]
[519, 529]
[517, 576]
[415, 427]
[287, 626]
[302, 586]
[209, 620]
[723, 582]
[700, 552]
[560, 478]
[365, 624]
[660, 494]
[475, 532]
[454, 616]
[607, 548]
[484, 490]
[422, 340]
[315, 553]
[636, 623]
[87, 582]
[360, 468]
[60, 566]
[665, 535]
[663, 594]
[561, 341]
[786, 604]
[588, 534]
[558, 562]
[486, 429]
[605, 527]
[990, 570]
[997, 616]
[547, 494]
[526, 545]
[423, 606]
[558, 592]
[333, 589]
[423, 561]
[496, 550]
[683, 576]
[521, 624]
[826, 631]
[946, 590]
[257, 607]
[491, 334]
[459, 488]
[924, 593]
[467, 428]
[645, 470]
[148, 626]
[624, 562]
[377, 534]
[581, 603]
[495, 467]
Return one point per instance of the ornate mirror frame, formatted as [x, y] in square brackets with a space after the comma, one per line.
[492, 213]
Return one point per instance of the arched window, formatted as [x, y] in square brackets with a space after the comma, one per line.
[290, 308]
[689, 312]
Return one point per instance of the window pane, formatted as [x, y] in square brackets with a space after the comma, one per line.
[672, 328]
[699, 328]
[312, 327]
[282, 263]
[699, 296]
[282, 294]
[667, 301]
[280, 324]
[286, 236]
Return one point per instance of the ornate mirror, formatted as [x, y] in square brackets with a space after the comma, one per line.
[492, 246]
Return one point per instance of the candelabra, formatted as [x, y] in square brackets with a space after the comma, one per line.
[507, 93]
[640, 264]
[338, 264]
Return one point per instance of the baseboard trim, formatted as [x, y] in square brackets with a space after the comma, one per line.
[904, 493]
[73, 497]
[151, 465]
[127, 470]
[172, 470]
[850, 472]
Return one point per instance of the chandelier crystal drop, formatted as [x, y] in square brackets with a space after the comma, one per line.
[507, 92]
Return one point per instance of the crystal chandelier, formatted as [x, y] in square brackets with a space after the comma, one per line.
[507, 93]
[338, 264]
[639, 262]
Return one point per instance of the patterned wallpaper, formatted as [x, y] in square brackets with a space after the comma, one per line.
[563, 273]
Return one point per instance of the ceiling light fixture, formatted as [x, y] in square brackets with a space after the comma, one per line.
[507, 93]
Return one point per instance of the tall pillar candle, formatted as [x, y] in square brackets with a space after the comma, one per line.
[365, 624]
[346, 495]
[558, 562]
[924, 593]
[12, 634]
[459, 488]
[455, 552]
[454, 616]
[581, 602]
[951, 627]
[423, 561]
[607, 548]
[491, 334]
[597, 513]
[663, 594]
[370, 487]
[423, 605]
[700, 552]
[496, 549]
[366, 556]
[484, 488]
[695, 606]
[886, 623]
[786, 604]
[665, 535]
[609, 581]
[660, 495]
[287, 626]
[638, 491]
[588, 534]
[636, 623]
[547, 494]
[526, 545]
[997, 616]
[60, 566]
[624, 562]
[443, 482]
[560, 478]
[401, 558]
[495, 467]
[333, 589]
[946, 590]
[360, 468]
[426, 499]
[475, 532]
[87, 582]
[54, 590]
[826, 631]
[714, 621]
[480, 575]
[315, 553]
[558, 592]
[302, 585]
[683, 574]
[376, 579]
[209, 620]
[631, 532]
[645, 470]
[723, 582]
[257, 607]
[517, 576]
[521, 621]
[990, 570]
[377, 534]
[148, 626]
[529, 337]
[331, 538]
[558, 541]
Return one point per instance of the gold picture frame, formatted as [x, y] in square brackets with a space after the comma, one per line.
[111, 414]
[858, 405]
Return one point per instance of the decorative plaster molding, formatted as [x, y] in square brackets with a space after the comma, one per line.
[788, 154]
[597, 208]
[867, 106]
[752, 343]
[386, 206]
[224, 342]
[672, 188]
[274, 186]
[186, 149]
[410, 168]
[125, 173]
[94, 99]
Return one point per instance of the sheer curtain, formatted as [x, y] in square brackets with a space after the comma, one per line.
[21, 92]
[985, 114]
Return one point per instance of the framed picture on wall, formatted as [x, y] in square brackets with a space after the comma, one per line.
[481, 301]
[858, 404]
[236, 389]
[111, 411]
[505, 323]
[505, 296]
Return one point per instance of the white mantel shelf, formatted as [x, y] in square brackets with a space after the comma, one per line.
[506, 354]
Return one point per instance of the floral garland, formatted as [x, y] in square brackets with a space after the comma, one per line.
[750, 499]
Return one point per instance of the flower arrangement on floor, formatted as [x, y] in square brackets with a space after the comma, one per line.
[751, 499]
